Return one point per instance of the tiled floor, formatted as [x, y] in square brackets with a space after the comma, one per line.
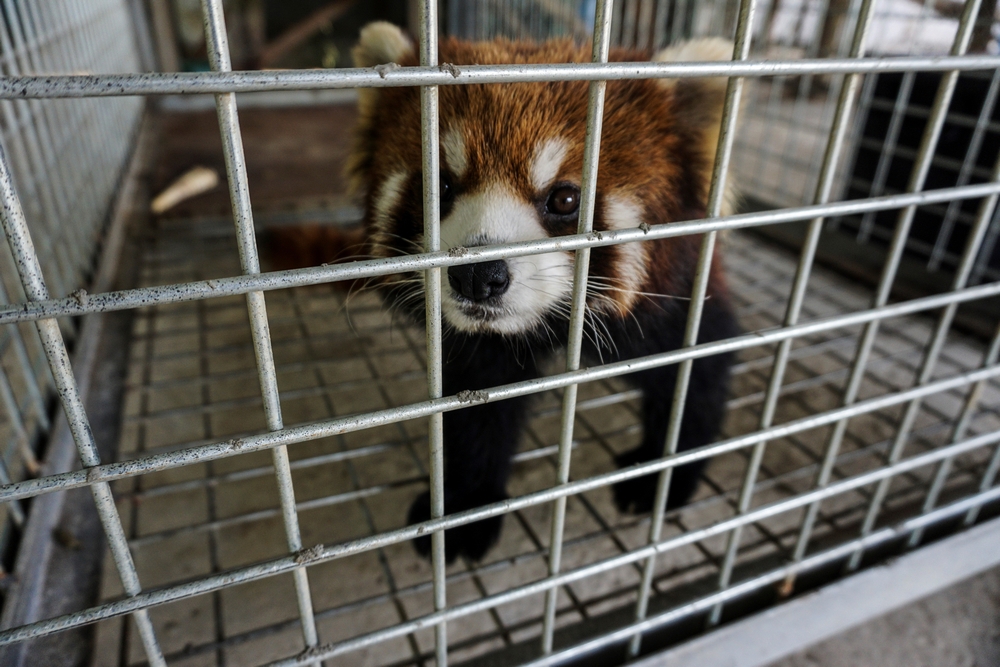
[192, 380]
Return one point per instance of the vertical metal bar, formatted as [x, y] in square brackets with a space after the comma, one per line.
[239, 193]
[888, 151]
[629, 9]
[864, 108]
[16, 229]
[20, 433]
[43, 60]
[989, 244]
[989, 477]
[64, 54]
[50, 198]
[578, 312]
[802, 95]
[645, 25]
[957, 435]
[968, 166]
[660, 24]
[28, 371]
[851, 19]
[617, 19]
[679, 12]
[453, 19]
[934, 348]
[431, 158]
[931, 134]
[892, 136]
[716, 196]
[13, 506]
[834, 147]
[78, 46]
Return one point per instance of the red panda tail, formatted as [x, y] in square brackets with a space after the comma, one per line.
[296, 247]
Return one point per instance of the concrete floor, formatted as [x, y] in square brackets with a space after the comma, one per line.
[958, 627]
[191, 380]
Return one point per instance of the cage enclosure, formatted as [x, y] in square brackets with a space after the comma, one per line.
[206, 457]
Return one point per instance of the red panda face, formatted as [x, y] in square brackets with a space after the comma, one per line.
[511, 164]
[513, 295]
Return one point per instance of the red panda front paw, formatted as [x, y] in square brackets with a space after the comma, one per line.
[635, 495]
[638, 495]
[472, 540]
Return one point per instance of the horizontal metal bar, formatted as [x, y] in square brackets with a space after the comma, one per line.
[348, 424]
[809, 619]
[613, 562]
[320, 553]
[582, 406]
[357, 270]
[497, 566]
[531, 454]
[387, 76]
[872, 540]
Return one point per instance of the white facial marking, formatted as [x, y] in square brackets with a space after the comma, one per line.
[453, 146]
[537, 282]
[387, 199]
[545, 164]
[623, 213]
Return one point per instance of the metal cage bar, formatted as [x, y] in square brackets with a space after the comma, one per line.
[290, 435]
[16, 230]
[578, 312]
[905, 220]
[635, 22]
[189, 83]
[716, 201]
[65, 208]
[162, 596]
[431, 162]
[983, 217]
[239, 192]
[958, 433]
[831, 159]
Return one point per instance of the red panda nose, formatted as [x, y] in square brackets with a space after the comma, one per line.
[478, 282]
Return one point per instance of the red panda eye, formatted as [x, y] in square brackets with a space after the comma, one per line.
[447, 190]
[445, 185]
[563, 200]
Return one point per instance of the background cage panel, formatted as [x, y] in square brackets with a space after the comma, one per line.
[270, 444]
[66, 157]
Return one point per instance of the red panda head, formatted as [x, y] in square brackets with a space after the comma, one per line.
[511, 163]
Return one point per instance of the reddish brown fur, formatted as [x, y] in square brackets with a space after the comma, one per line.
[652, 147]
[653, 150]
[656, 154]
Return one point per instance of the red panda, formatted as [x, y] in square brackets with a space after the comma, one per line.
[511, 163]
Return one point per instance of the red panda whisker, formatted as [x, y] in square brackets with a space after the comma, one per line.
[612, 288]
[614, 306]
[606, 336]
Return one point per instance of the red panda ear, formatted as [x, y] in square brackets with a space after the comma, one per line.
[698, 102]
[381, 43]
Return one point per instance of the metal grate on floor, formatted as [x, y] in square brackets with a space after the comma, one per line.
[192, 380]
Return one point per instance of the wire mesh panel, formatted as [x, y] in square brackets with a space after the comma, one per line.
[275, 428]
[66, 157]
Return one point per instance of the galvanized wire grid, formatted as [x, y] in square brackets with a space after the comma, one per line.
[66, 157]
[192, 381]
[860, 437]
